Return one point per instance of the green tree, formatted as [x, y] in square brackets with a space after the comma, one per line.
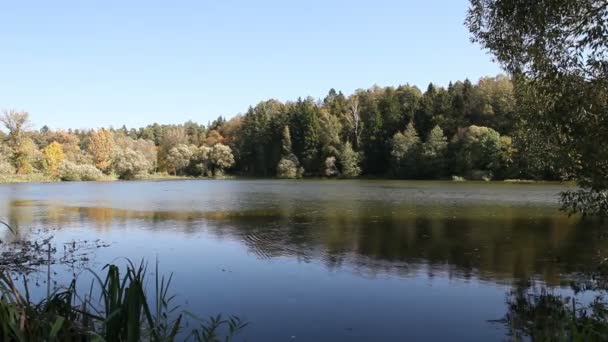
[404, 153]
[221, 158]
[180, 157]
[433, 154]
[476, 152]
[349, 161]
[373, 144]
[557, 51]
[304, 126]
[170, 138]
[16, 123]
[6, 167]
[142, 146]
[424, 118]
[259, 141]
[288, 166]
[129, 164]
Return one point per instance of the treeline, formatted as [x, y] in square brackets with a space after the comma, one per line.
[110, 153]
[466, 130]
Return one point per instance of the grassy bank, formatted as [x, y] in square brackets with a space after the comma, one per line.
[42, 178]
[27, 178]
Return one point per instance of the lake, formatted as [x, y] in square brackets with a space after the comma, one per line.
[326, 260]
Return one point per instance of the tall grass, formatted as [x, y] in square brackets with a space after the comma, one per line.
[116, 307]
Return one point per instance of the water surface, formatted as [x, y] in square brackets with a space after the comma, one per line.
[327, 260]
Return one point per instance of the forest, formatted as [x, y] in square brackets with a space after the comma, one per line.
[463, 131]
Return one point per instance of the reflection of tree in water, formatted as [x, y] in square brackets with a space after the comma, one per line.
[543, 314]
[499, 243]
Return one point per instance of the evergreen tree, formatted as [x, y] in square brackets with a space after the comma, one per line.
[304, 133]
[372, 143]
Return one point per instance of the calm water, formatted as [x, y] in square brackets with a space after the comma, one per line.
[326, 260]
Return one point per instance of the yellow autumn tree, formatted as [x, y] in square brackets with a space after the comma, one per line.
[53, 156]
[101, 147]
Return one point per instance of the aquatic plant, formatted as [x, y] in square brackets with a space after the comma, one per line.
[547, 316]
[122, 311]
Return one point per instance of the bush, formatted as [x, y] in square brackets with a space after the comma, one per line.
[331, 169]
[480, 175]
[129, 164]
[180, 157]
[69, 171]
[287, 169]
[349, 159]
[221, 157]
[6, 167]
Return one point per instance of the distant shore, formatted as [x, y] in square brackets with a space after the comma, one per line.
[42, 178]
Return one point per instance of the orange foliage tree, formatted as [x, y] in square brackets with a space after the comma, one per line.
[101, 147]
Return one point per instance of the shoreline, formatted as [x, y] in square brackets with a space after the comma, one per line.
[38, 178]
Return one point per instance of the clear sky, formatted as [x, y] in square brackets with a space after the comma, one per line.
[86, 64]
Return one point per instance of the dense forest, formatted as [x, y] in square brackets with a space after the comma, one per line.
[463, 130]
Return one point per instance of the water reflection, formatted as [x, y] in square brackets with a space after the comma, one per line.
[494, 242]
[335, 260]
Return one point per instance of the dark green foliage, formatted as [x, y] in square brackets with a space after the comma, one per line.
[433, 154]
[405, 153]
[304, 126]
[259, 145]
[374, 145]
[476, 152]
[585, 202]
[557, 51]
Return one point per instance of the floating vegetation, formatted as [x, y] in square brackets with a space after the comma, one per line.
[28, 255]
[117, 307]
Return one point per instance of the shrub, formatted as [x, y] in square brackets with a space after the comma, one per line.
[331, 169]
[6, 167]
[129, 164]
[349, 159]
[221, 157]
[287, 169]
[69, 171]
[180, 156]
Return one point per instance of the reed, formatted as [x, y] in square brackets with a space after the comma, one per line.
[117, 307]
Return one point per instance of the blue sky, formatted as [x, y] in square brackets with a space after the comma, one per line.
[86, 64]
